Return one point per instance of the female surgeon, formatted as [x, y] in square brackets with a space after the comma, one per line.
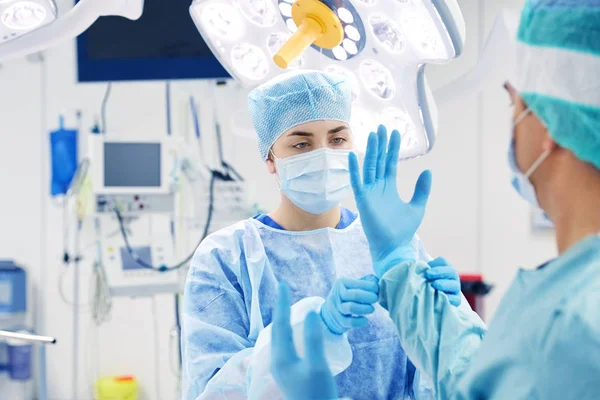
[319, 248]
[544, 342]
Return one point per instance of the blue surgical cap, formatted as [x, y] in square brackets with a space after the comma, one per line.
[295, 98]
[559, 71]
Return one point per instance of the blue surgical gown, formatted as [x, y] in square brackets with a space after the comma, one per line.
[544, 341]
[231, 290]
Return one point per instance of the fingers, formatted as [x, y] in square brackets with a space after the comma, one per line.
[455, 299]
[358, 296]
[370, 278]
[366, 283]
[448, 286]
[442, 272]
[393, 154]
[313, 340]
[438, 262]
[374, 279]
[350, 309]
[422, 189]
[352, 322]
[370, 166]
[381, 151]
[355, 175]
[283, 349]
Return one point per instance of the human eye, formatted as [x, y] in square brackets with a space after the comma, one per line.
[301, 146]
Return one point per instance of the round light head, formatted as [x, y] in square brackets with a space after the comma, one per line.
[250, 61]
[378, 79]
[222, 20]
[24, 15]
[259, 12]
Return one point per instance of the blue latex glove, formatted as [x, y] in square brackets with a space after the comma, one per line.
[388, 222]
[443, 277]
[348, 301]
[299, 379]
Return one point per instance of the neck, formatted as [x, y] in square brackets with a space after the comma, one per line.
[292, 218]
[571, 201]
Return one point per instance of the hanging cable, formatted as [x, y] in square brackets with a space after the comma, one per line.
[195, 117]
[155, 326]
[168, 106]
[215, 175]
[100, 291]
[178, 325]
[103, 107]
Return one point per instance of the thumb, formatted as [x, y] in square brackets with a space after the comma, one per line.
[422, 189]
[370, 278]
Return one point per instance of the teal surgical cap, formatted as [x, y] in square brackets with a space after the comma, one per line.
[559, 71]
[295, 98]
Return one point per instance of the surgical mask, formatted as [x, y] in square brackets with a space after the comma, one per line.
[315, 181]
[520, 180]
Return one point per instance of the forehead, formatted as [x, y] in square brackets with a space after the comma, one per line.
[316, 128]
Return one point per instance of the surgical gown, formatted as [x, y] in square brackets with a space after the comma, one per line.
[231, 290]
[544, 341]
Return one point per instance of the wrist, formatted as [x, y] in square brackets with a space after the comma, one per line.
[393, 258]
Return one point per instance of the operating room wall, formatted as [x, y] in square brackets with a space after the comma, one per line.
[474, 219]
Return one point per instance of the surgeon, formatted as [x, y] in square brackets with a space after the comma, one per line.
[544, 342]
[319, 248]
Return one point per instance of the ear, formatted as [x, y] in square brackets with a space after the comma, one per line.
[271, 168]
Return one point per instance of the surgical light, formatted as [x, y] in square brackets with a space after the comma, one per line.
[260, 12]
[23, 31]
[250, 61]
[20, 17]
[381, 46]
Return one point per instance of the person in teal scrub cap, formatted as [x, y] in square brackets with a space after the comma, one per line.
[544, 341]
[302, 120]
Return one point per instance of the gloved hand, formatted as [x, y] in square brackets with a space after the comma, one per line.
[388, 222]
[298, 379]
[348, 301]
[443, 277]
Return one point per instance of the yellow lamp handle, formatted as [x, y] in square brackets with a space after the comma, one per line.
[308, 32]
[317, 23]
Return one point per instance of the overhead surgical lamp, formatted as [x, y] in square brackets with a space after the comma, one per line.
[497, 60]
[381, 46]
[20, 17]
[29, 26]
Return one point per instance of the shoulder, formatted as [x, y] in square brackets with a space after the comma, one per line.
[224, 244]
[228, 234]
[571, 347]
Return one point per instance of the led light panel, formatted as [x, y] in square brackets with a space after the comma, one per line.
[385, 48]
[18, 17]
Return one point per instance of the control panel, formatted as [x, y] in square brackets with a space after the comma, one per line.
[150, 241]
[138, 203]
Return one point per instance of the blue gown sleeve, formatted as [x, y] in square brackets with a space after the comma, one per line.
[439, 339]
[421, 386]
[215, 321]
[569, 367]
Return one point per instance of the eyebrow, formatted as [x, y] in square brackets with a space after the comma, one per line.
[301, 133]
[310, 134]
[338, 129]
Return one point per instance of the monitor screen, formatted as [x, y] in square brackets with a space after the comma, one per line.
[132, 165]
[162, 44]
[129, 264]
